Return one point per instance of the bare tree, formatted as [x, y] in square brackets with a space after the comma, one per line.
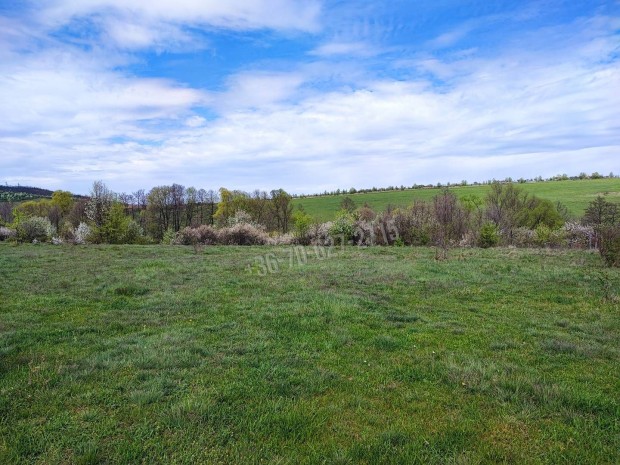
[504, 203]
[191, 199]
[451, 221]
[6, 212]
[177, 192]
[160, 210]
[212, 199]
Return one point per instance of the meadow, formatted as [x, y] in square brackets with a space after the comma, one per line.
[179, 355]
[574, 194]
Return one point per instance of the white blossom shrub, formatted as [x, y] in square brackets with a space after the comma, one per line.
[81, 233]
[6, 233]
[35, 228]
[243, 234]
[579, 236]
[319, 234]
[242, 217]
[285, 239]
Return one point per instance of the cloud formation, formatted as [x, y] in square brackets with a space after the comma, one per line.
[335, 112]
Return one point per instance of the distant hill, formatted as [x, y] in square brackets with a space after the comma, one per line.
[574, 194]
[35, 191]
[22, 193]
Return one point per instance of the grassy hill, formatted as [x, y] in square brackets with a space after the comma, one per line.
[575, 194]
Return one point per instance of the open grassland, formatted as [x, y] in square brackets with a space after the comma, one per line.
[576, 195]
[131, 354]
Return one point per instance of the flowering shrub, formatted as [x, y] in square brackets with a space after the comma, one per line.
[6, 233]
[241, 217]
[81, 234]
[285, 239]
[35, 228]
[579, 236]
[203, 234]
[239, 234]
[319, 234]
[243, 234]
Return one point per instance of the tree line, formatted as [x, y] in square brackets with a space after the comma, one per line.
[506, 215]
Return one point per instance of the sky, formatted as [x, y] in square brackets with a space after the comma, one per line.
[305, 95]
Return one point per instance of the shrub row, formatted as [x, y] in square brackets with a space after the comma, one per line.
[239, 234]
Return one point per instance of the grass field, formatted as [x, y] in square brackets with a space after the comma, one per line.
[155, 354]
[574, 194]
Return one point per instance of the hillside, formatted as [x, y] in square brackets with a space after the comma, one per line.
[21, 193]
[575, 194]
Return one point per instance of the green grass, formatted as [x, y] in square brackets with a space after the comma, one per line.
[576, 195]
[154, 354]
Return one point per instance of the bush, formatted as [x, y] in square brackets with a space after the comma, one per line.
[35, 228]
[203, 234]
[81, 234]
[523, 237]
[243, 234]
[302, 222]
[6, 233]
[343, 226]
[319, 234]
[489, 236]
[579, 236]
[610, 245]
[239, 234]
[547, 237]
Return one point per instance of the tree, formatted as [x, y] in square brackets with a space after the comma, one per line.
[30, 208]
[536, 212]
[348, 204]
[504, 202]
[114, 229]
[451, 220]
[225, 208]
[191, 201]
[212, 201]
[99, 204]
[282, 208]
[159, 202]
[301, 226]
[177, 196]
[64, 201]
[600, 212]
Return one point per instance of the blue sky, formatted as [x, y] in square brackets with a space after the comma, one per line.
[305, 95]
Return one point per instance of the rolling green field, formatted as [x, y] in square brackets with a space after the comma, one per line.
[155, 354]
[574, 194]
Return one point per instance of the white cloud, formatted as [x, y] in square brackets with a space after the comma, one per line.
[258, 90]
[353, 49]
[138, 24]
[537, 107]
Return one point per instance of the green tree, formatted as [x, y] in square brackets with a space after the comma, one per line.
[64, 201]
[600, 212]
[302, 222]
[282, 208]
[348, 204]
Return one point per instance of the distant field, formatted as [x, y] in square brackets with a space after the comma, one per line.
[131, 354]
[574, 194]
